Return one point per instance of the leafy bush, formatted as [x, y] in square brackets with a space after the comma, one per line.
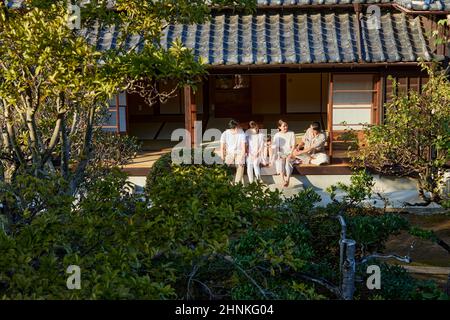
[203, 208]
[372, 232]
[270, 258]
[414, 139]
[196, 236]
[398, 284]
[161, 167]
[128, 248]
[113, 149]
[29, 196]
[360, 188]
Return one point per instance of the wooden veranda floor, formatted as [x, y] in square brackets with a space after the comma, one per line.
[140, 166]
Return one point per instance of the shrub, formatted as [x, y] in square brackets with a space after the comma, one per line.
[398, 284]
[161, 167]
[29, 196]
[199, 236]
[414, 139]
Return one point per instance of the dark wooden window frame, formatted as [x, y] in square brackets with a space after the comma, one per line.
[375, 107]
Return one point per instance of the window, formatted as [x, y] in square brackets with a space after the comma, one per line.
[353, 97]
[116, 120]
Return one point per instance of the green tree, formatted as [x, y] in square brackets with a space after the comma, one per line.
[415, 138]
[55, 83]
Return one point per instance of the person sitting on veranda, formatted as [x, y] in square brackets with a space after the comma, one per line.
[313, 143]
[283, 146]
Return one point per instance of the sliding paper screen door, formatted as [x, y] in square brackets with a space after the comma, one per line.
[353, 99]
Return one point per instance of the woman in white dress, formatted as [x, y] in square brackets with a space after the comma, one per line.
[255, 150]
[232, 149]
[283, 144]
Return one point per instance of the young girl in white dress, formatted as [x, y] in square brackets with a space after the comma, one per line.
[255, 151]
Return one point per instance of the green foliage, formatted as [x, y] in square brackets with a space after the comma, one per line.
[271, 256]
[55, 83]
[197, 236]
[108, 234]
[160, 168]
[30, 196]
[207, 206]
[129, 248]
[113, 149]
[423, 234]
[415, 138]
[398, 284]
[360, 188]
[301, 204]
[372, 232]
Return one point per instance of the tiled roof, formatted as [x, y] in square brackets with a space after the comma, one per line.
[289, 38]
[302, 38]
[409, 4]
[292, 38]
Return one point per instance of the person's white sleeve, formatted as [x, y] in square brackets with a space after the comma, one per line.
[292, 142]
[223, 137]
[261, 143]
[243, 142]
[306, 135]
[276, 146]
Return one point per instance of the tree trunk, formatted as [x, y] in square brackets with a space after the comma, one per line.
[65, 152]
[85, 152]
[32, 134]
[11, 135]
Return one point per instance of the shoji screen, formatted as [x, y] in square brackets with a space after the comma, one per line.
[353, 97]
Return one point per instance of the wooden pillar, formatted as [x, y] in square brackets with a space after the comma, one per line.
[190, 113]
[377, 103]
[206, 102]
[117, 114]
[330, 118]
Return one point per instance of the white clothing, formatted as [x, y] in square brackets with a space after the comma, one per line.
[268, 155]
[283, 166]
[317, 143]
[255, 143]
[320, 158]
[234, 142]
[253, 167]
[283, 143]
[316, 159]
[317, 155]
[234, 159]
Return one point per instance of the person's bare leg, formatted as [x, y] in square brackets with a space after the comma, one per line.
[239, 174]
[283, 172]
[288, 168]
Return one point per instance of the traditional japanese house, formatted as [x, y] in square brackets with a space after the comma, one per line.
[313, 60]
[301, 60]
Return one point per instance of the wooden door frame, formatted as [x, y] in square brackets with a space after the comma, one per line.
[375, 109]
